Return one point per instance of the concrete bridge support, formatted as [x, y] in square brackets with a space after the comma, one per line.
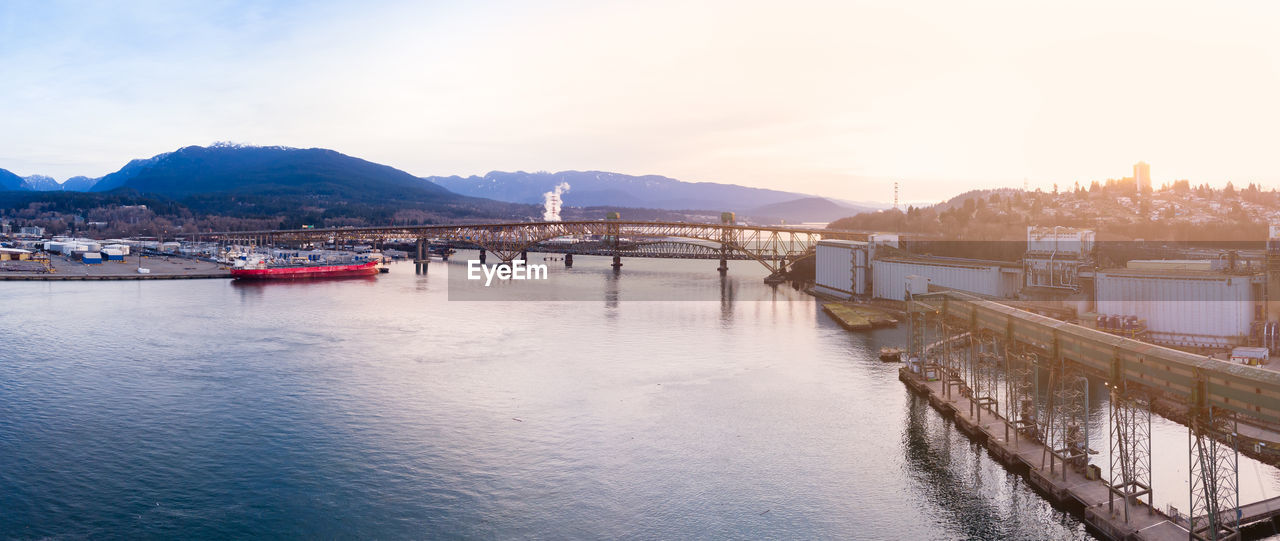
[420, 257]
[568, 260]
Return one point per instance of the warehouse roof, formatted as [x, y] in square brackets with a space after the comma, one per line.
[951, 261]
[1169, 273]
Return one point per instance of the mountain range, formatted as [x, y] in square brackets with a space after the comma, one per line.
[599, 188]
[253, 181]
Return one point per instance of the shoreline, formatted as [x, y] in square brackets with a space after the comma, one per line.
[161, 266]
[54, 277]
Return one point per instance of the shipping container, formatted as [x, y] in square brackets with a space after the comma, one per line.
[993, 279]
[1182, 308]
[91, 258]
[112, 254]
[841, 268]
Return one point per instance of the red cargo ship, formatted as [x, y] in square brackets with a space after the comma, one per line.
[298, 272]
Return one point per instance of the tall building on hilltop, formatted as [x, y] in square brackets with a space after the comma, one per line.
[1142, 176]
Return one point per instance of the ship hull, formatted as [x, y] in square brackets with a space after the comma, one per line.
[307, 273]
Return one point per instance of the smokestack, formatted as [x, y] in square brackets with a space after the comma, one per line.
[551, 202]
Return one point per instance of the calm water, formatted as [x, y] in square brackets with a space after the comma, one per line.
[380, 408]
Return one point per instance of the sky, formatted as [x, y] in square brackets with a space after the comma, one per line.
[839, 99]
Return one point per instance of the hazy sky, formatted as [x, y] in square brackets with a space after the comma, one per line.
[836, 98]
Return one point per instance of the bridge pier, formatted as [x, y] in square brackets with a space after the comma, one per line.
[724, 265]
[617, 262]
[524, 255]
[482, 256]
[568, 260]
[780, 275]
[419, 262]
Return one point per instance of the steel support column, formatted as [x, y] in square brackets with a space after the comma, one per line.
[1213, 466]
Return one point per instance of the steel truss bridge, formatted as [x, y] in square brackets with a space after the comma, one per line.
[773, 247]
[996, 355]
[670, 249]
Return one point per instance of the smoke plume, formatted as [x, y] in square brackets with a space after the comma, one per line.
[551, 202]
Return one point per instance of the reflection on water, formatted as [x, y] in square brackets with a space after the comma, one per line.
[977, 497]
[381, 408]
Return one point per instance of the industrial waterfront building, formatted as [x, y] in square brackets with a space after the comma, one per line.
[1200, 304]
[1181, 307]
[988, 278]
[841, 268]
